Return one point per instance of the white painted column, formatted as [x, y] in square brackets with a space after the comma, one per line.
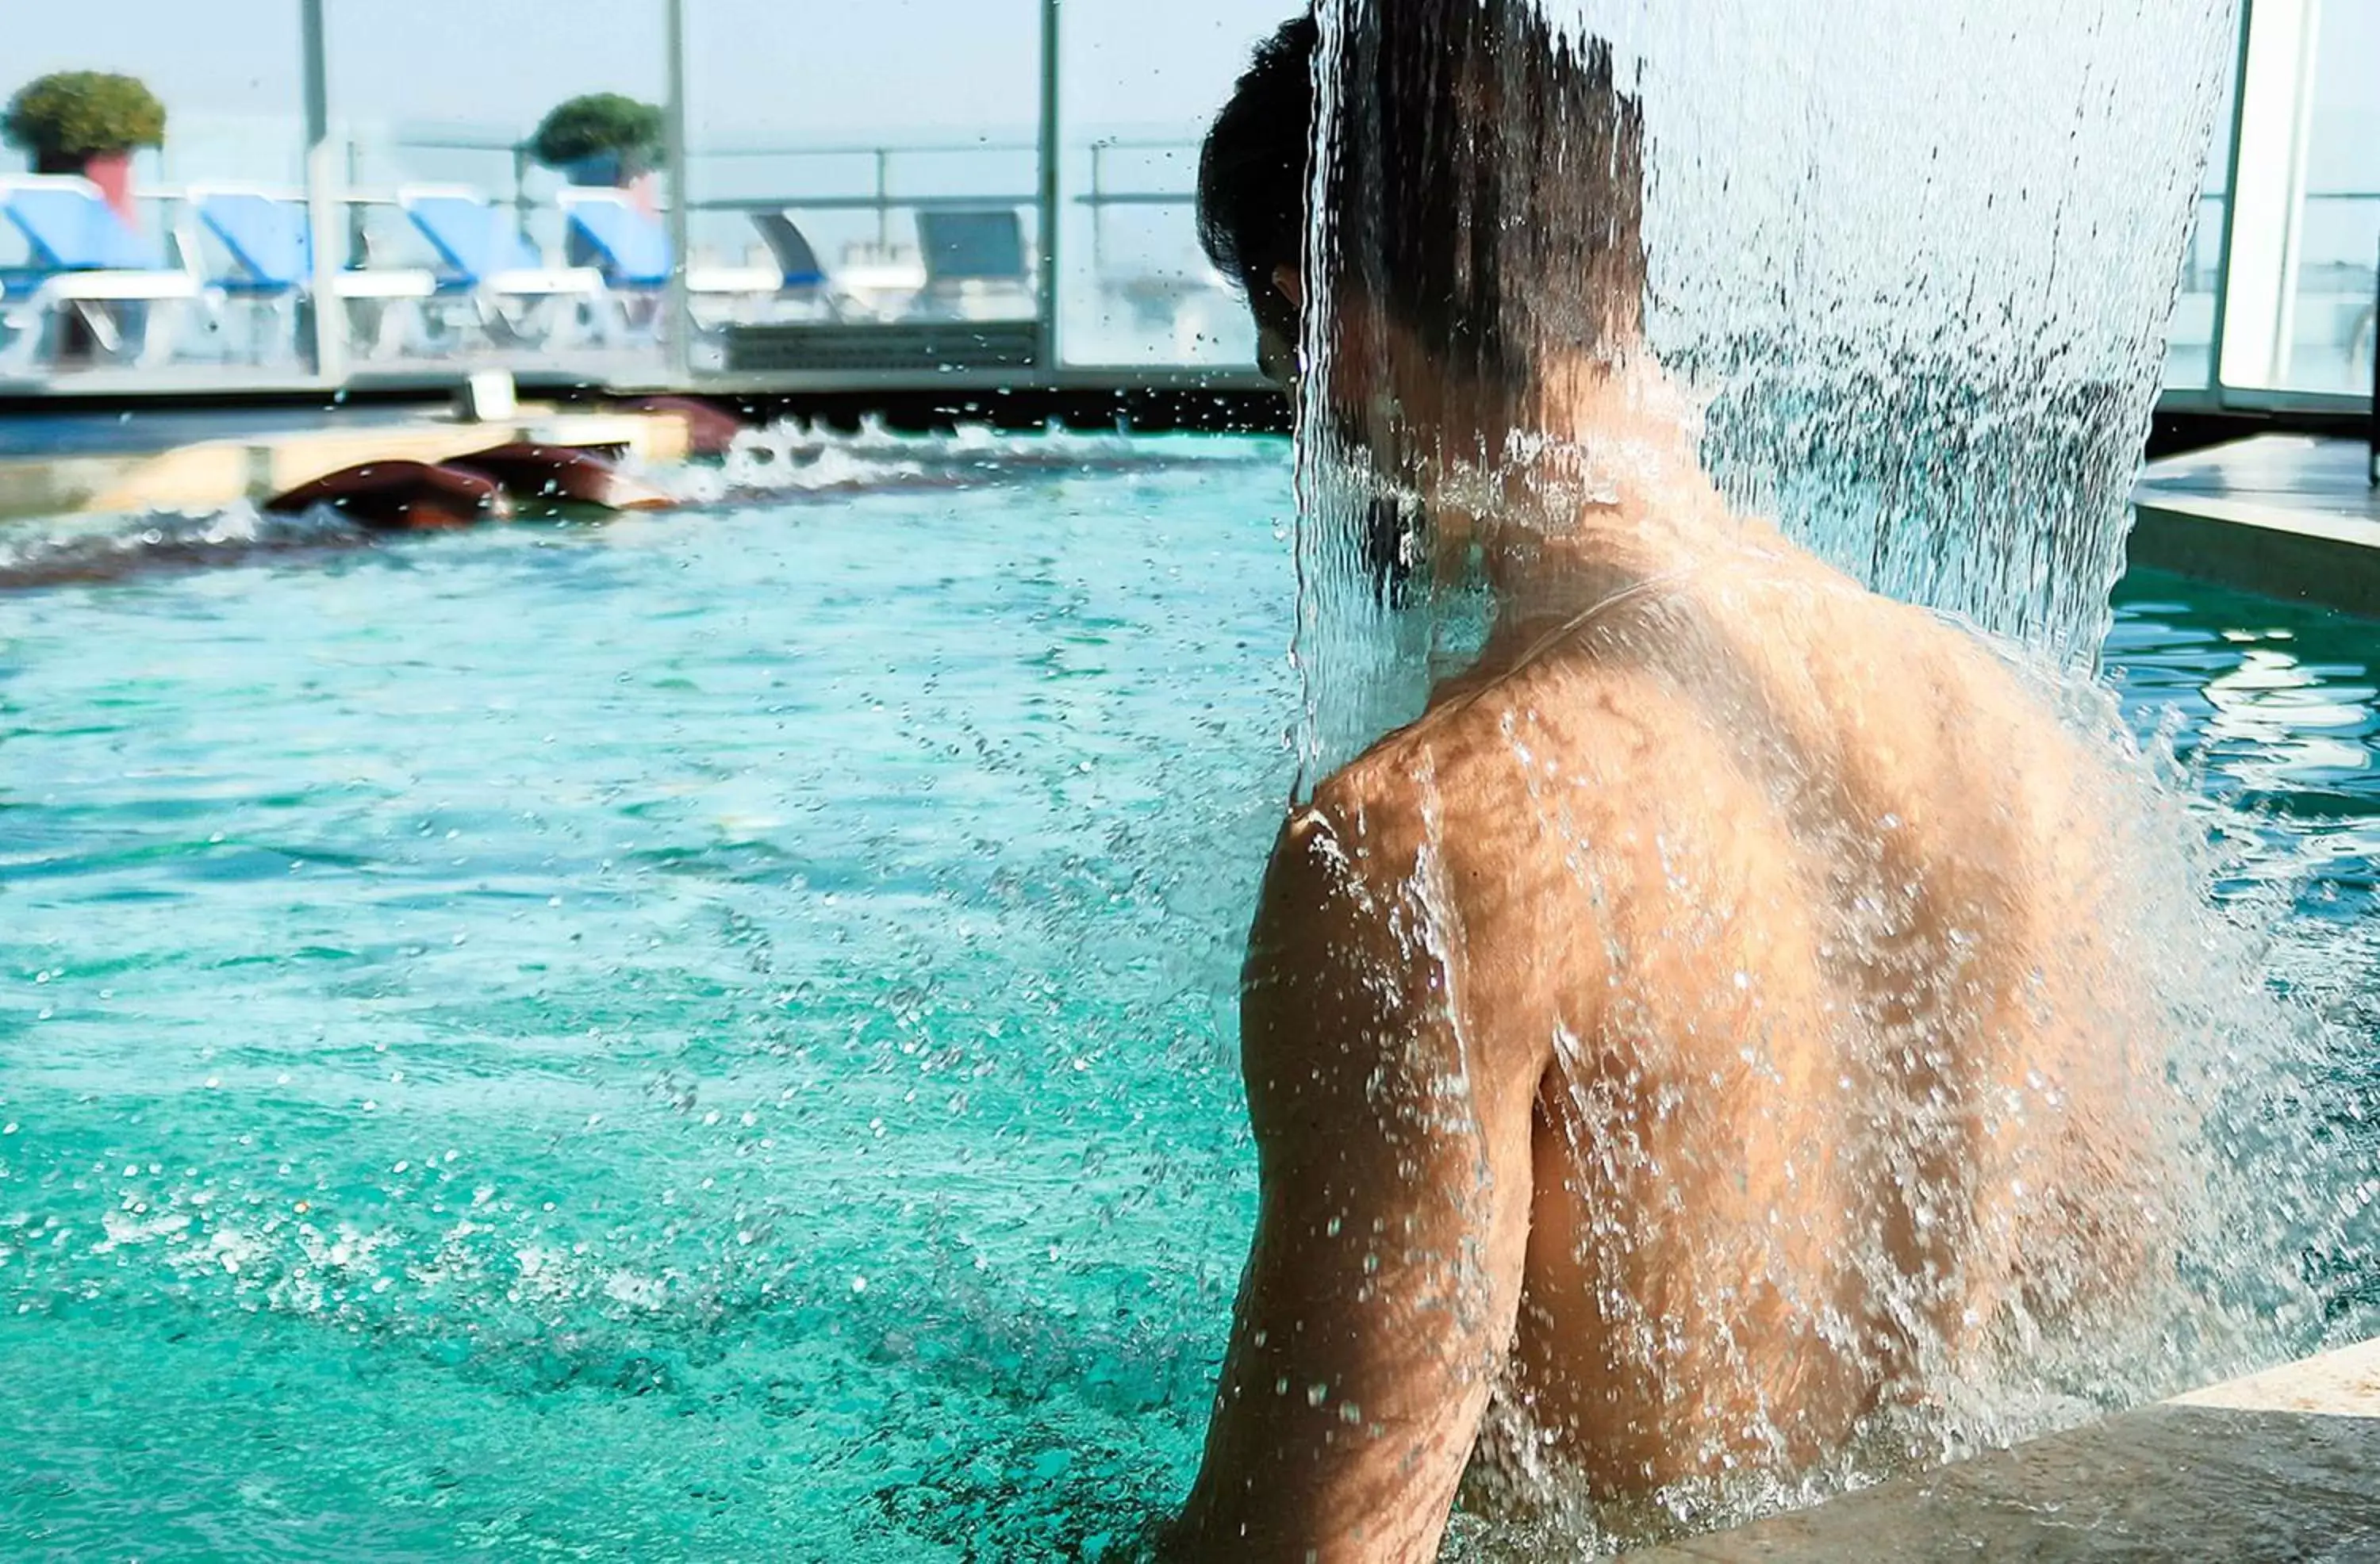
[681, 196]
[2267, 205]
[325, 197]
[1050, 216]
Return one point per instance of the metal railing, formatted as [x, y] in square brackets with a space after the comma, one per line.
[880, 157]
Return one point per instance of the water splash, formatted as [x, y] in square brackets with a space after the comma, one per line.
[1911, 266]
[49, 553]
[788, 460]
[794, 457]
[1904, 277]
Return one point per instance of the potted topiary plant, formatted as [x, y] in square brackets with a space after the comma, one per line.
[602, 139]
[90, 123]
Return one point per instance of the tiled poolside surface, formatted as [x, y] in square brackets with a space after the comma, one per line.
[2284, 1465]
[2290, 516]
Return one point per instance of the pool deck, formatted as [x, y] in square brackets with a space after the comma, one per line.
[84, 464]
[2289, 517]
[2284, 1465]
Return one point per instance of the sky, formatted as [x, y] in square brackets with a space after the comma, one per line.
[760, 70]
[774, 73]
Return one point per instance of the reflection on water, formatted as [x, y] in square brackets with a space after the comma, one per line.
[2275, 709]
[712, 1036]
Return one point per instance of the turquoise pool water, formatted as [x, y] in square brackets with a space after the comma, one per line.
[710, 1036]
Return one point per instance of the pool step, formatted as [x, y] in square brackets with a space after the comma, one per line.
[2284, 1465]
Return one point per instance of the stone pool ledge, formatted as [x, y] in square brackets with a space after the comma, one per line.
[195, 463]
[2284, 1465]
[2288, 516]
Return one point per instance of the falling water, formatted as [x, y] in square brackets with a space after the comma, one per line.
[1913, 264]
[1906, 271]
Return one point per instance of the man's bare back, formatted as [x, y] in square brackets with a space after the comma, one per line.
[1691, 1034]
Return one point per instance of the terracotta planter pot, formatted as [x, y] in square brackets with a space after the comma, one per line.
[612, 170]
[111, 171]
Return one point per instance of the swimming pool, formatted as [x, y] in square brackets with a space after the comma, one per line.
[710, 1036]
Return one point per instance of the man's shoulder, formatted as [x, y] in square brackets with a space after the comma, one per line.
[1497, 746]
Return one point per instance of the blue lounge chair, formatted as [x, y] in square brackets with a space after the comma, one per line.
[631, 248]
[975, 259]
[483, 257]
[795, 258]
[85, 260]
[267, 237]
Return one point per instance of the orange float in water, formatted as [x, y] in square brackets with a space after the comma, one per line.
[400, 496]
[497, 484]
[547, 476]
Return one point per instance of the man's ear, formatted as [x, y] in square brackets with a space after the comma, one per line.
[1290, 284]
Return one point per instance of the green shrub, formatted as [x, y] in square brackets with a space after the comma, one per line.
[78, 114]
[601, 125]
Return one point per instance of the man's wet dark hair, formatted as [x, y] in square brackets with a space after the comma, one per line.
[1487, 189]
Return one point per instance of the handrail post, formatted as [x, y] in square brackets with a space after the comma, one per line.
[324, 195]
[883, 203]
[1098, 210]
[680, 301]
[1049, 217]
[2373, 429]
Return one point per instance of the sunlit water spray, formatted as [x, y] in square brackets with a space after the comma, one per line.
[1907, 274]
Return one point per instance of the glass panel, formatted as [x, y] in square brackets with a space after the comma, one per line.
[1140, 85]
[554, 273]
[878, 164]
[2190, 340]
[2329, 335]
[228, 76]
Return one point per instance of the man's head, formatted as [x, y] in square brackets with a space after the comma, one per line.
[1484, 189]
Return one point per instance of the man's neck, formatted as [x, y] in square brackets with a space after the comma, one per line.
[1609, 495]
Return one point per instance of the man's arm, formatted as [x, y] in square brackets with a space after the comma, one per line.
[1379, 1303]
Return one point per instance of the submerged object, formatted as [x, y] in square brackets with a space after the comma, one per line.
[400, 496]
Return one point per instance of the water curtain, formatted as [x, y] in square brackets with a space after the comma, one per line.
[1910, 265]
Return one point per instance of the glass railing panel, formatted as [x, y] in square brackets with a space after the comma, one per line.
[2330, 327]
[883, 164]
[188, 314]
[1140, 86]
[550, 269]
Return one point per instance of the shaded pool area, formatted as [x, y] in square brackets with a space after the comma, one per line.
[710, 1036]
